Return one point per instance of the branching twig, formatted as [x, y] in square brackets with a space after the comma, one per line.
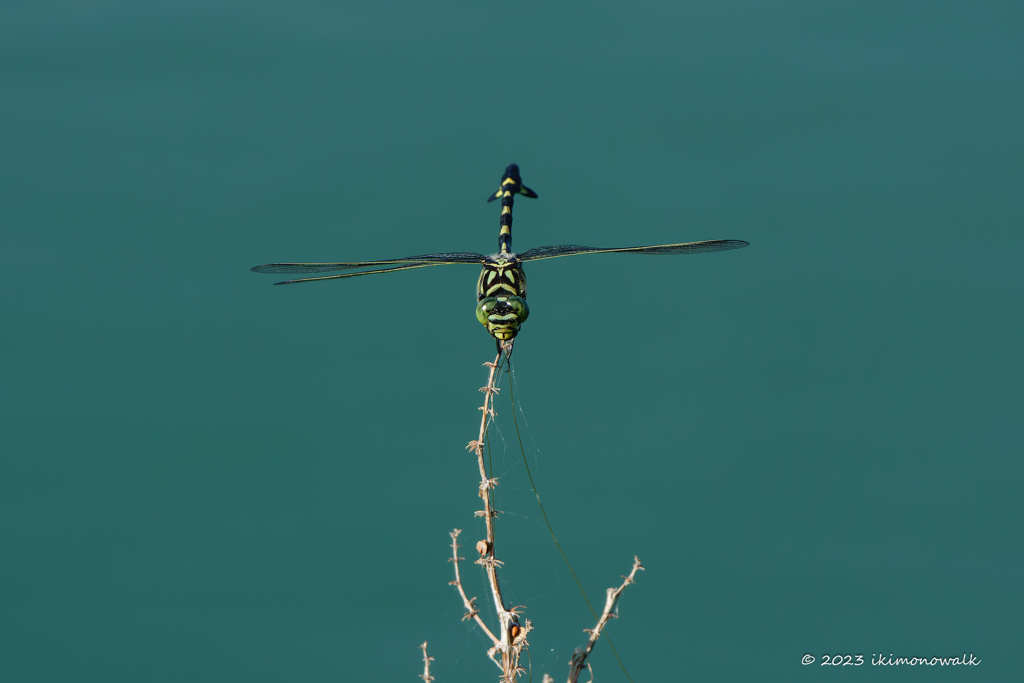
[579, 658]
[427, 678]
[512, 634]
[471, 609]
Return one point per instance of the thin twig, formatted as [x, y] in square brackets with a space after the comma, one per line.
[427, 678]
[513, 633]
[471, 609]
[579, 657]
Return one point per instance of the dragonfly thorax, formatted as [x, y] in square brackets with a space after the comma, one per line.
[501, 275]
[501, 296]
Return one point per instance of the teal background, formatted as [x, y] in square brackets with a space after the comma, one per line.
[813, 444]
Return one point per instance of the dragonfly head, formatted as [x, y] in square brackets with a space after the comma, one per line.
[502, 316]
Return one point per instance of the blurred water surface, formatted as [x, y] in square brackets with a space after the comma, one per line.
[813, 443]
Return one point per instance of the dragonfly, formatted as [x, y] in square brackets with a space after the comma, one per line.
[501, 288]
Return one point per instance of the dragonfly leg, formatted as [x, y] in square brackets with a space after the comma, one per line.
[504, 349]
[508, 353]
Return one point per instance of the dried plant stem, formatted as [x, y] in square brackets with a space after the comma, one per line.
[427, 678]
[579, 658]
[471, 609]
[512, 638]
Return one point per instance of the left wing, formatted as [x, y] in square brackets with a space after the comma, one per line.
[407, 266]
[681, 248]
[432, 259]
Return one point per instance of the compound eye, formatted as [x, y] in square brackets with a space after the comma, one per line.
[519, 306]
[484, 308]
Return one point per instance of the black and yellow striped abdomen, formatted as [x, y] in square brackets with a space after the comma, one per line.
[511, 185]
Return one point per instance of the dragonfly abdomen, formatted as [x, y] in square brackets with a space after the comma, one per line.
[511, 185]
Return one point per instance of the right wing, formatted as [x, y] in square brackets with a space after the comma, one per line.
[555, 251]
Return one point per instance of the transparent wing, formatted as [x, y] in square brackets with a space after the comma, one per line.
[682, 248]
[432, 259]
[408, 266]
